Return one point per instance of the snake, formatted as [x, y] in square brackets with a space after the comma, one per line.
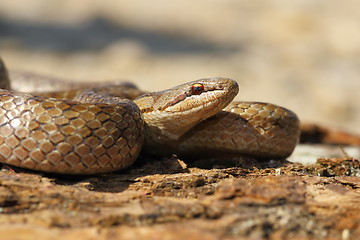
[66, 128]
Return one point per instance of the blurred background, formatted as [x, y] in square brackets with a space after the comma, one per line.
[302, 54]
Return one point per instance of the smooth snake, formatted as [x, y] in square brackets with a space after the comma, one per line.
[99, 131]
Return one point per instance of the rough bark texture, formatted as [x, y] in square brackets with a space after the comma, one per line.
[166, 199]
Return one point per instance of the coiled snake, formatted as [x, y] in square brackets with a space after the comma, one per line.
[99, 132]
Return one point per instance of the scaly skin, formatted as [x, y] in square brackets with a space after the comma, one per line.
[101, 132]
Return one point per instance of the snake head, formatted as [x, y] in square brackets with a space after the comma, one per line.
[174, 111]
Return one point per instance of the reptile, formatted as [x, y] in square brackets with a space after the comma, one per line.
[86, 129]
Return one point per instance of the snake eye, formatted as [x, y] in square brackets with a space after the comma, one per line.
[197, 88]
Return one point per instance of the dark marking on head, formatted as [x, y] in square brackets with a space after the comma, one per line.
[179, 98]
[146, 110]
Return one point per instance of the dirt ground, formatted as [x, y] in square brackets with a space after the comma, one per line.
[303, 55]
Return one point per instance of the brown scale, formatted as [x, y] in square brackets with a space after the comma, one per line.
[64, 136]
[68, 137]
[99, 131]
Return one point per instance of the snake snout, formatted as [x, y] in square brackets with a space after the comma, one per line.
[178, 109]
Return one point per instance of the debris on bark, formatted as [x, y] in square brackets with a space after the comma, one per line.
[168, 200]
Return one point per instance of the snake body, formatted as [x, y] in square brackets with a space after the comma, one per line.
[99, 131]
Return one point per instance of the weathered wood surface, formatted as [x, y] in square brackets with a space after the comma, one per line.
[168, 200]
